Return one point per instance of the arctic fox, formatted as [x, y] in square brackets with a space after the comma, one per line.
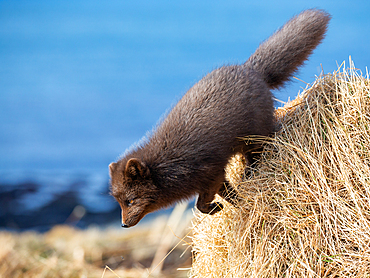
[187, 153]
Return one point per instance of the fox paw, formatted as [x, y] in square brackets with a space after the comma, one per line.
[212, 208]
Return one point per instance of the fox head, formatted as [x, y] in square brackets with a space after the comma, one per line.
[133, 188]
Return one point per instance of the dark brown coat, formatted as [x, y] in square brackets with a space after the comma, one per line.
[187, 152]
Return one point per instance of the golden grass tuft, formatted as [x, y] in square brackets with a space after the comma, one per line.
[68, 252]
[305, 212]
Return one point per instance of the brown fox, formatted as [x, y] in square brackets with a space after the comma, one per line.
[187, 152]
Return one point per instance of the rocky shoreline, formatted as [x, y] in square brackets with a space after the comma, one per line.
[37, 205]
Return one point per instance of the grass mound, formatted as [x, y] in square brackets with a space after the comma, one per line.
[305, 212]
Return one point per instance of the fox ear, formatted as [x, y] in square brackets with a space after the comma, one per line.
[136, 169]
[112, 168]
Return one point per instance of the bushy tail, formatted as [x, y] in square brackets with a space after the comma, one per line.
[279, 57]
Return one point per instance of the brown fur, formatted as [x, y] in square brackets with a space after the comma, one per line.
[188, 151]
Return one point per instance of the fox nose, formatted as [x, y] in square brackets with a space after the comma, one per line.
[124, 225]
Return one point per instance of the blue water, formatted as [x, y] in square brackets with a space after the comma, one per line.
[80, 81]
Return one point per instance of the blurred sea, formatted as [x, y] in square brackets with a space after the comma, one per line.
[81, 81]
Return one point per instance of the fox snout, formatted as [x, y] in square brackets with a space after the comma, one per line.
[126, 221]
[131, 216]
[129, 222]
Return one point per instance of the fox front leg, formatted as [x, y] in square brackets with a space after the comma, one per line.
[228, 193]
[206, 205]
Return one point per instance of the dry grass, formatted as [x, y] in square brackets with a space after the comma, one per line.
[306, 210]
[67, 252]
